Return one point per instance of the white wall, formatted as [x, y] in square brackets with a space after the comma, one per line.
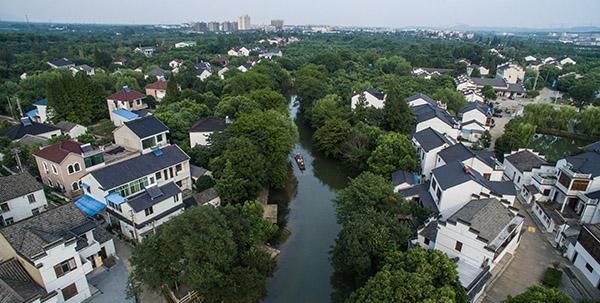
[474, 115]
[20, 208]
[199, 138]
[439, 126]
[584, 257]
[370, 101]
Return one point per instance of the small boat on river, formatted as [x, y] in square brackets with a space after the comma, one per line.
[299, 161]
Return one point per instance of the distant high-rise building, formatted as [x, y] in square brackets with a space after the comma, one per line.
[200, 27]
[229, 26]
[213, 26]
[277, 23]
[244, 23]
[235, 26]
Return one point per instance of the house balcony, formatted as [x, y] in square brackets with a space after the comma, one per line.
[574, 175]
[86, 265]
[545, 178]
[585, 199]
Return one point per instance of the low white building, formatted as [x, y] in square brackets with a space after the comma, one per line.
[566, 60]
[175, 63]
[421, 99]
[479, 235]
[145, 50]
[238, 52]
[520, 166]
[21, 197]
[63, 247]
[142, 135]
[140, 193]
[27, 128]
[183, 44]
[584, 252]
[476, 118]
[437, 118]
[74, 130]
[372, 98]
[201, 131]
[429, 143]
[122, 104]
[63, 63]
[481, 161]
[455, 184]
[511, 73]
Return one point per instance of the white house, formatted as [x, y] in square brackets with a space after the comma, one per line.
[510, 72]
[478, 235]
[473, 95]
[142, 135]
[239, 52]
[530, 59]
[584, 253]
[420, 99]
[63, 63]
[476, 119]
[74, 130]
[185, 44]
[481, 161]
[145, 50]
[88, 70]
[123, 104]
[244, 67]
[455, 184]
[566, 60]
[373, 98]
[222, 72]
[429, 143]
[520, 167]
[439, 119]
[63, 248]
[175, 63]
[40, 114]
[140, 193]
[201, 130]
[203, 70]
[20, 198]
[158, 89]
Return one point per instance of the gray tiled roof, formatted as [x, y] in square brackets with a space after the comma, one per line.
[28, 237]
[119, 173]
[18, 131]
[421, 191]
[197, 171]
[146, 126]
[376, 93]
[493, 82]
[453, 174]
[401, 177]
[477, 105]
[430, 139]
[65, 126]
[525, 160]
[516, 88]
[209, 124]
[586, 162]
[459, 152]
[430, 231]
[206, 196]
[144, 200]
[18, 185]
[421, 96]
[487, 216]
[426, 112]
[16, 285]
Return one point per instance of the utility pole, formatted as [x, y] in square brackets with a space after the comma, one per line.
[537, 75]
[19, 106]
[12, 110]
[18, 158]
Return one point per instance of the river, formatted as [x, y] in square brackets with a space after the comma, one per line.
[303, 267]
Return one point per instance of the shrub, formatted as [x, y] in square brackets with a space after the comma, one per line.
[552, 277]
[204, 183]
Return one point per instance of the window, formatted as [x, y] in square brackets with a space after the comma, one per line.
[114, 206]
[433, 183]
[45, 166]
[157, 175]
[589, 267]
[564, 180]
[8, 221]
[546, 192]
[458, 246]
[165, 174]
[77, 167]
[4, 207]
[31, 198]
[65, 267]
[147, 143]
[426, 241]
[35, 211]
[70, 169]
[75, 186]
[151, 180]
[580, 184]
[176, 198]
[438, 194]
[170, 172]
[69, 291]
[54, 169]
[519, 179]
[487, 176]
[148, 211]
[159, 138]
[179, 167]
[131, 188]
[93, 160]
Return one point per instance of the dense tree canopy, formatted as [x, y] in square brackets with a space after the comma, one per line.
[538, 294]
[179, 117]
[393, 152]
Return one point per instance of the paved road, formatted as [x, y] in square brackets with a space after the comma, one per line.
[532, 258]
[112, 284]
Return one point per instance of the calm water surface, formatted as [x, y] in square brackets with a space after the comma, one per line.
[303, 266]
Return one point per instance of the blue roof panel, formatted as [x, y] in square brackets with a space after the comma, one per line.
[125, 114]
[32, 113]
[115, 198]
[41, 102]
[89, 205]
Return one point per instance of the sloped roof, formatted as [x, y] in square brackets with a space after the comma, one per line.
[145, 200]
[429, 139]
[157, 71]
[493, 82]
[477, 105]
[123, 95]
[516, 88]
[486, 216]
[18, 131]
[209, 124]
[66, 126]
[525, 160]
[586, 162]
[160, 84]
[122, 172]
[401, 177]
[426, 112]
[57, 152]
[61, 62]
[16, 285]
[454, 173]
[146, 126]
[30, 236]
[375, 93]
[460, 152]
[14, 186]
[421, 96]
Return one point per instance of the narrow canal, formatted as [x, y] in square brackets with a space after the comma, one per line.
[303, 268]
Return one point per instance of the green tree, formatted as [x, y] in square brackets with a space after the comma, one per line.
[488, 92]
[331, 135]
[101, 59]
[311, 84]
[267, 99]
[179, 117]
[204, 182]
[419, 275]
[517, 134]
[394, 65]
[476, 73]
[233, 107]
[393, 152]
[453, 99]
[359, 144]
[76, 98]
[538, 294]
[360, 248]
[589, 122]
[583, 93]
[326, 109]
[398, 116]
[172, 92]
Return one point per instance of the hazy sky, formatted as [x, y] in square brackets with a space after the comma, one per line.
[392, 13]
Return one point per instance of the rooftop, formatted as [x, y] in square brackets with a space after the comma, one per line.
[525, 160]
[153, 195]
[375, 93]
[209, 124]
[460, 152]
[66, 126]
[61, 62]
[429, 139]
[20, 130]
[146, 126]
[402, 176]
[421, 96]
[57, 152]
[587, 162]
[493, 82]
[455, 173]
[122, 172]
[29, 237]
[15, 186]
[426, 112]
[160, 85]
[16, 285]
[126, 95]
[477, 105]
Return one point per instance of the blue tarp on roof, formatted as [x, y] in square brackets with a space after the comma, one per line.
[125, 114]
[41, 102]
[115, 198]
[89, 205]
[32, 113]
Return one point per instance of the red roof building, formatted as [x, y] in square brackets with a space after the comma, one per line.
[57, 152]
[125, 95]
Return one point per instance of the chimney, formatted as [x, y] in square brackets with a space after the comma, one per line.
[126, 88]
